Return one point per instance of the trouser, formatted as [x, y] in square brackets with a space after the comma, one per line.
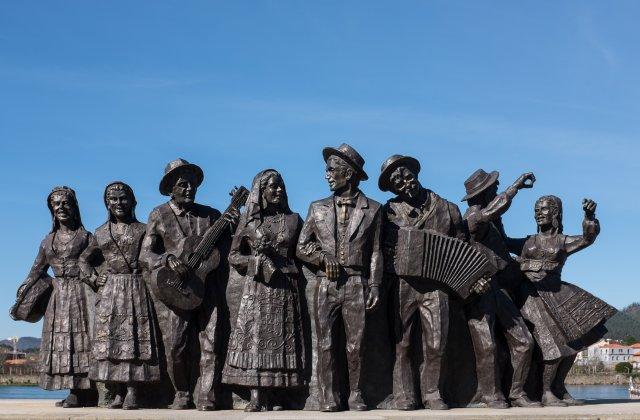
[179, 329]
[432, 306]
[482, 314]
[345, 297]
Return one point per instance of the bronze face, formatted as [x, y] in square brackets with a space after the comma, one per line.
[119, 204]
[185, 188]
[273, 191]
[545, 211]
[338, 173]
[404, 183]
[63, 208]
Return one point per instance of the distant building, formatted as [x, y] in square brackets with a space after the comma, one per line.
[610, 353]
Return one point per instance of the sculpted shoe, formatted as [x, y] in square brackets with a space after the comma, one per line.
[208, 406]
[131, 400]
[436, 404]
[329, 408]
[407, 406]
[524, 401]
[59, 403]
[180, 401]
[499, 404]
[356, 402]
[71, 401]
[569, 400]
[550, 400]
[116, 403]
[253, 407]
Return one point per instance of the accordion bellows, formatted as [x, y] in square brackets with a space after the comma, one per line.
[448, 260]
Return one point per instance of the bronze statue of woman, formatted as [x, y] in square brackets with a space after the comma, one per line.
[125, 334]
[566, 319]
[65, 349]
[265, 350]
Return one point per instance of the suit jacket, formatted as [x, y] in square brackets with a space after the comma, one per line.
[363, 248]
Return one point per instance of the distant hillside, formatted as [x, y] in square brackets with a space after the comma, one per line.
[24, 343]
[625, 323]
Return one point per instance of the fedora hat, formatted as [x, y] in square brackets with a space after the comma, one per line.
[478, 182]
[175, 167]
[349, 155]
[391, 164]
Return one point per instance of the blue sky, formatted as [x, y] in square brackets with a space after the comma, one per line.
[96, 91]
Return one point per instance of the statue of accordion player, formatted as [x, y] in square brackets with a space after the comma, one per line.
[426, 257]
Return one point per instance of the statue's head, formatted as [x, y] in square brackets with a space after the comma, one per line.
[120, 202]
[344, 167]
[181, 181]
[548, 213]
[399, 174]
[272, 190]
[64, 209]
[481, 187]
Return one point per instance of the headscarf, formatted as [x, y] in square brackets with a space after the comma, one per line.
[556, 205]
[254, 209]
[119, 185]
[74, 202]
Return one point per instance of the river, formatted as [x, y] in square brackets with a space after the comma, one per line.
[586, 392]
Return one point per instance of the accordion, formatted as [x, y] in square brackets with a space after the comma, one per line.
[450, 261]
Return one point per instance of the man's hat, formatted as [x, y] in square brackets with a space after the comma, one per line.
[175, 167]
[349, 155]
[391, 164]
[478, 182]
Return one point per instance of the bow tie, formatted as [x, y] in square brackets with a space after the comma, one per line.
[346, 201]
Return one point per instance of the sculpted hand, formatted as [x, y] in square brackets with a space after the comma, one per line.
[232, 217]
[589, 207]
[481, 286]
[525, 180]
[373, 297]
[101, 280]
[331, 267]
[177, 265]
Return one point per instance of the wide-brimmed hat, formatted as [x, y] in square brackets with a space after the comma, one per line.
[175, 167]
[349, 155]
[478, 182]
[391, 164]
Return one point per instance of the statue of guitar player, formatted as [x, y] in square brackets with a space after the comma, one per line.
[168, 225]
[406, 217]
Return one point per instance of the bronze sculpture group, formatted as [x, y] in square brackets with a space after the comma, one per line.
[138, 306]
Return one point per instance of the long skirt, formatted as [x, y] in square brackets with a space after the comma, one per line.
[265, 348]
[566, 319]
[125, 335]
[65, 349]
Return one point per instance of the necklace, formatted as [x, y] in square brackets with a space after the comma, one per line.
[278, 236]
[62, 245]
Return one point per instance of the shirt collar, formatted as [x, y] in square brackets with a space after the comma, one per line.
[180, 211]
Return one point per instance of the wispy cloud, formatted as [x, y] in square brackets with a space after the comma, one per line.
[597, 42]
[568, 141]
[92, 80]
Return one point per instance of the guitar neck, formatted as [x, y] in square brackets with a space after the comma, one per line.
[212, 235]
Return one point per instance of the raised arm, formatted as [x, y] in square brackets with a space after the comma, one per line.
[590, 229]
[500, 204]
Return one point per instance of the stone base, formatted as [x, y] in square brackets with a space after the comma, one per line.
[45, 409]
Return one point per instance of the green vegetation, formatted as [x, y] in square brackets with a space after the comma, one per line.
[623, 367]
[625, 325]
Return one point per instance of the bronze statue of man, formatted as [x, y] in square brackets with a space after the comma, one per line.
[495, 307]
[416, 208]
[341, 239]
[167, 226]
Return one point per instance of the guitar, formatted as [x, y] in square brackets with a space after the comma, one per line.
[200, 255]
